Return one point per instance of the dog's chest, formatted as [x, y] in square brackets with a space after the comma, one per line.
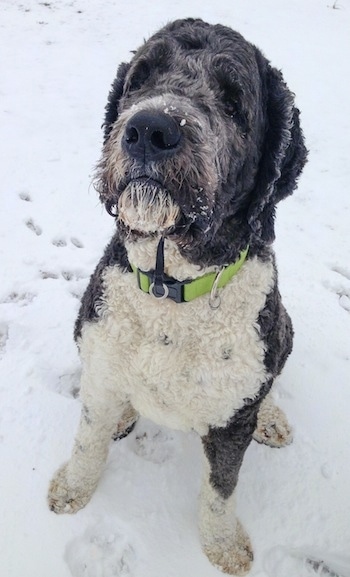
[186, 365]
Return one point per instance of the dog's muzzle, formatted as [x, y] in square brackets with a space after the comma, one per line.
[146, 206]
[151, 136]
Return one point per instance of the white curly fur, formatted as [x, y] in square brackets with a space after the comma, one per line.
[163, 358]
[223, 538]
[272, 427]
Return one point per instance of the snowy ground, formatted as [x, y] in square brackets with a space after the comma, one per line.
[58, 59]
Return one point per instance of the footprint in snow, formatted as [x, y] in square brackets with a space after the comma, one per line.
[25, 196]
[4, 334]
[22, 299]
[155, 445]
[344, 272]
[33, 226]
[76, 242]
[61, 241]
[103, 551]
[29, 222]
[73, 275]
[68, 275]
[69, 384]
[58, 241]
[283, 562]
[342, 290]
[344, 301]
[45, 274]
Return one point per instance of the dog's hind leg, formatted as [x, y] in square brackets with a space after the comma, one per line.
[223, 538]
[272, 428]
[74, 483]
[126, 423]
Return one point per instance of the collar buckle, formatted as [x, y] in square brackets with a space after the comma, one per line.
[170, 287]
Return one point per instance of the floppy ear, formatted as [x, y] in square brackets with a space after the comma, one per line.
[113, 99]
[283, 153]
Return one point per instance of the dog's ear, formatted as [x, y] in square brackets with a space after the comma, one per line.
[283, 153]
[112, 107]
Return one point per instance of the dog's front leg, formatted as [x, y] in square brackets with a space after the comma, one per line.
[223, 538]
[74, 483]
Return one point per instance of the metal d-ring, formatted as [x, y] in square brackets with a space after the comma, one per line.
[215, 299]
[161, 297]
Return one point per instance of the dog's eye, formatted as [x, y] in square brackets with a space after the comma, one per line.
[230, 107]
[139, 76]
[232, 104]
[229, 97]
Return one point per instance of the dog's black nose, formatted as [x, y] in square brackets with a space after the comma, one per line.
[151, 135]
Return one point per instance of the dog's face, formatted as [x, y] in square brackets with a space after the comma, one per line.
[198, 135]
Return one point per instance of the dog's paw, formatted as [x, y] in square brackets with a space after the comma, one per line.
[65, 496]
[272, 428]
[233, 556]
[126, 424]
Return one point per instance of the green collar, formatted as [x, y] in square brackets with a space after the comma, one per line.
[187, 290]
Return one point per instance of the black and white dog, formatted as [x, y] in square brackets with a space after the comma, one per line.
[182, 321]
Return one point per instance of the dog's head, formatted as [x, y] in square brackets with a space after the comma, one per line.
[202, 139]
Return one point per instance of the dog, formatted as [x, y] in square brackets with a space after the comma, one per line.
[182, 321]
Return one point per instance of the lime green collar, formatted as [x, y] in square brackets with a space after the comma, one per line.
[188, 290]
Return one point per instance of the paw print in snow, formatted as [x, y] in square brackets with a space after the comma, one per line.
[344, 301]
[59, 242]
[3, 337]
[76, 242]
[25, 196]
[103, 551]
[343, 291]
[45, 274]
[22, 299]
[155, 445]
[33, 226]
[69, 384]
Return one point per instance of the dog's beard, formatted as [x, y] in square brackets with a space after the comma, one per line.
[146, 207]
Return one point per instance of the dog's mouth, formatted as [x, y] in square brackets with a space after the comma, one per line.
[146, 206]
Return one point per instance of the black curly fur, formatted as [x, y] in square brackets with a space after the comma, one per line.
[112, 108]
[225, 446]
[261, 174]
[114, 255]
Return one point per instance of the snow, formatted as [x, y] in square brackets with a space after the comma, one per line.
[58, 59]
